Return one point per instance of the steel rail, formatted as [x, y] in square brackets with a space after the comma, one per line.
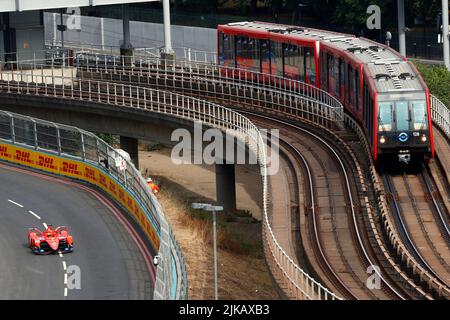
[404, 233]
[310, 184]
[426, 176]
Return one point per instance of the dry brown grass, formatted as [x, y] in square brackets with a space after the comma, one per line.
[243, 273]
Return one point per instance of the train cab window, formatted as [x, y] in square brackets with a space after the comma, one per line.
[420, 115]
[402, 115]
[247, 53]
[385, 118]
[227, 52]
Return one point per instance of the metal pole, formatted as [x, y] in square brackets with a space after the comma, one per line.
[401, 27]
[126, 26]
[445, 35]
[167, 34]
[216, 291]
[62, 29]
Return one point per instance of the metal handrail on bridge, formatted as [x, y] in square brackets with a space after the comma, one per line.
[275, 88]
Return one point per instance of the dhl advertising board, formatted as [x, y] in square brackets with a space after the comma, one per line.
[83, 171]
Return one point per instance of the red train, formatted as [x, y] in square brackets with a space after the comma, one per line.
[378, 86]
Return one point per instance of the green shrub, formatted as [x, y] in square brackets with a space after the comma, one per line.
[438, 81]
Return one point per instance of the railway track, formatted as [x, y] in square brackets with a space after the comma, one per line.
[421, 220]
[338, 251]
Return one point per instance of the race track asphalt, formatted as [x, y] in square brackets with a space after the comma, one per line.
[111, 259]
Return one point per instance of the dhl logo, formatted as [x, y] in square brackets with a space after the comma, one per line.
[122, 196]
[112, 188]
[130, 203]
[23, 156]
[4, 152]
[102, 180]
[46, 162]
[90, 174]
[71, 168]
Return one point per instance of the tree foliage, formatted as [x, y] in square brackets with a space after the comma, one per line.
[343, 12]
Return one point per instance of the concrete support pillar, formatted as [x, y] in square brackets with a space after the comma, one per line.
[126, 50]
[446, 35]
[130, 145]
[401, 27]
[226, 187]
[168, 52]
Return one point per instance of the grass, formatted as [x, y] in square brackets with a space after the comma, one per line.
[234, 235]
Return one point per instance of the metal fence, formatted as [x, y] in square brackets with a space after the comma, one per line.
[295, 279]
[74, 143]
[304, 101]
[223, 84]
[441, 115]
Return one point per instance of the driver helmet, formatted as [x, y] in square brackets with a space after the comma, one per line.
[149, 180]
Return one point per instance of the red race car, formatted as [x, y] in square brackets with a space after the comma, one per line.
[50, 241]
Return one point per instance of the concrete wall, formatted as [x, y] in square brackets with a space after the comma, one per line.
[143, 34]
[30, 36]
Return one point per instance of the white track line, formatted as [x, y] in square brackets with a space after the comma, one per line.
[17, 204]
[34, 214]
[45, 225]
[64, 265]
[65, 292]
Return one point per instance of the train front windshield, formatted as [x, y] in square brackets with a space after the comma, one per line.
[420, 115]
[402, 116]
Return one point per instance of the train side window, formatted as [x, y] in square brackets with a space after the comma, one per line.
[350, 89]
[336, 76]
[310, 65]
[371, 119]
[366, 103]
[385, 116]
[420, 115]
[357, 90]
[247, 53]
[277, 58]
[331, 80]
[341, 76]
[301, 63]
[227, 50]
[324, 70]
[291, 61]
[265, 56]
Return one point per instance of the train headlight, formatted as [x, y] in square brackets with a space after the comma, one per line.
[424, 138]
[382, 140]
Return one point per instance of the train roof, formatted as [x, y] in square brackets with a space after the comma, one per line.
[389, 70]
